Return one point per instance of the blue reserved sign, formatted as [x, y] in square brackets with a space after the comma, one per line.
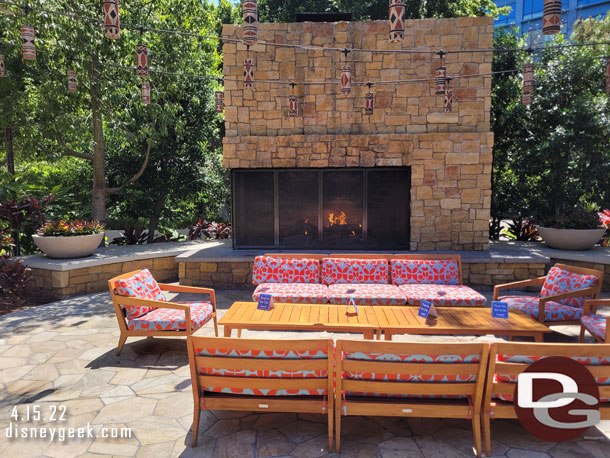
[499, 309]
[265, 302]
[424, 309]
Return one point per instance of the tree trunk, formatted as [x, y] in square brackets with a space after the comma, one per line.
[98, 204]
[10, 154]
[156, 215]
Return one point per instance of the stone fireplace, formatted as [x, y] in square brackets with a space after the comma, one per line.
[409, 176]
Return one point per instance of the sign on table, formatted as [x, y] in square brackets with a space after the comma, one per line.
[499, 309]
[265, 302]
[427, 309]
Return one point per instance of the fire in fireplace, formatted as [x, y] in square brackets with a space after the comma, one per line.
[322, 208]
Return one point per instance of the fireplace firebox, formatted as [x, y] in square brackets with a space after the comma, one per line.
[331, 209]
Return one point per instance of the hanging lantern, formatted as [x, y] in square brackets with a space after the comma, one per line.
[72, 81]
[2, 67]
[112, 22]
[368, 100]
[397, 12]
[551, 17]
[248, 73]
[142, 60]
[219, 98]
[528, 84]
[448, 100]
[145, 92]
[28, 42]
[294, 106]
[250, 26]
[441, 79]
[346, 79]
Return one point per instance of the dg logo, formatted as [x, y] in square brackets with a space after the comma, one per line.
[557, 399]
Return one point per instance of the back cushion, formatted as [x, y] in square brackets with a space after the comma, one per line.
[354, 271]
[268, 269]
[560, 281]
[141, 285]
[425, 271]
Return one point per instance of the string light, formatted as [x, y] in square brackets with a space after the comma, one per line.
[346, 75]
[28, 42]
[2, 66]
[528, 84]
[72, 81]
[112, 20]
[551, 17]
[250, 17]
[448, 103]
[294, 106]
[142, 61]
[369, 100]
[396, 15]
[145, 93]
[248, 71]
[441, 75]
[219, 101]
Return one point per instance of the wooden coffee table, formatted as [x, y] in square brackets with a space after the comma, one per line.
[459, 321]
[300, 317]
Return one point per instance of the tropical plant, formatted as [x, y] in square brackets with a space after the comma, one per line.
[213, 231]
[14, 277]
[16, 213]
[574, 218]
[521, 230]
[60, 228]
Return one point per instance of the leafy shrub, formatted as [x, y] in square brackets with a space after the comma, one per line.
[574, 218]
[521, 230]
[132, 235]
[70, 228]
[14, 276]
[213, 231]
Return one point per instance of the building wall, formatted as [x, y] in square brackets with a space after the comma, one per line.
[450, 153]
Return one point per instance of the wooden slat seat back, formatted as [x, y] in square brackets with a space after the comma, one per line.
[262, 375]
[434, 257]
[508, 360]
[407, 379]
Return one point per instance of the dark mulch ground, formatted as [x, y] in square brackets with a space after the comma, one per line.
[11, 303]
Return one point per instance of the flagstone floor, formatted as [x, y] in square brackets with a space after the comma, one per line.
[62, 355]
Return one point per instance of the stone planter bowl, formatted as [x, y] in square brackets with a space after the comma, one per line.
[77, 246]
[571, 239]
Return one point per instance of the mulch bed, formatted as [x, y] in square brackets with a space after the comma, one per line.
[12, 303]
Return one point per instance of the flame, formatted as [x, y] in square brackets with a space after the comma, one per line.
[341, 220]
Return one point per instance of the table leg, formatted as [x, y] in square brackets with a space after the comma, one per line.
[388, 335]
[227, 331]
[511, 338]
[539, 337]
[239, 332]
[368, 334]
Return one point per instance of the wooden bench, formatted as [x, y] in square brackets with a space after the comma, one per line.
[406, 379]
[262, 376]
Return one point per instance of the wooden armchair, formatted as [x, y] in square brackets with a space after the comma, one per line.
[145, 312]
[552, 307]
[596, 325]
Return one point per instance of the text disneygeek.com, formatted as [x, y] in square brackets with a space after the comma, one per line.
[62, 434]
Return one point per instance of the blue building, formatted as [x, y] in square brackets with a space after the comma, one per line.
[527, 14]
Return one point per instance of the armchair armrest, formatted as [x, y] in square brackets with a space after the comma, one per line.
[124, 300]
[557, 297]
[190, 289]
[518, 284]
[593, 304]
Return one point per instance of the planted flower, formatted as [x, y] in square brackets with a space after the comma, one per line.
[61, 228]
[69, 239]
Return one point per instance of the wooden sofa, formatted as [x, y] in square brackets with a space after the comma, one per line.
[367, 279]
[144, 311]
[262, 376]
[508, 360]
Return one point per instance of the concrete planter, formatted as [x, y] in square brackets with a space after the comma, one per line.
[77, 246]
[571, 239]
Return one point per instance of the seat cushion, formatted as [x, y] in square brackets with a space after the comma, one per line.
[425, 271]
[268, 269]
[354, 271]
[173, 320]
[365, 294]
[553, 311]
[596, 325]
[455, 295]
[559, 281]
[141, 285]
[293, 293]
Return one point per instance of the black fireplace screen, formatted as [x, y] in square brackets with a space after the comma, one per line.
[346, 209]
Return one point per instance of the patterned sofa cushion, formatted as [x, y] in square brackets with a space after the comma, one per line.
[419, 377]
[425, 271]
[293, 293]
[560, 281]
[354, 271]
[263, 354]
[596, 325]
[454, 295]
[141, 285]
[528, 359]
[367, 294]
[173, 320]
[553, 311]
[268, 269]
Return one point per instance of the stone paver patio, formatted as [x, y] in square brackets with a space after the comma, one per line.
[63, 354]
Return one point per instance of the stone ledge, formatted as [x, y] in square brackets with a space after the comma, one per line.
[113, 255]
